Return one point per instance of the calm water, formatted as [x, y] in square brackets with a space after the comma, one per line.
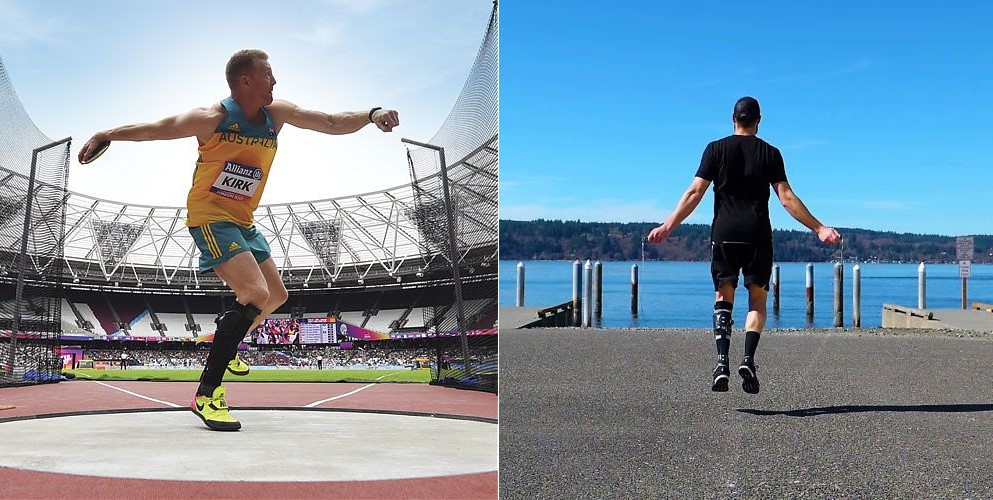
[681, 294]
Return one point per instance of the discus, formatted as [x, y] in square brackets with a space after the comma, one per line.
[95, 153]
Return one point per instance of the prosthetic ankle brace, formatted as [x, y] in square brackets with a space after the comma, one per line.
[234, 324]
[722, 319]
[231, 329]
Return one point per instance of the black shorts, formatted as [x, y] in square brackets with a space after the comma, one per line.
[729, 259]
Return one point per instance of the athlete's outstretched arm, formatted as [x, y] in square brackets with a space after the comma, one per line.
[792, 203]
[687, 204]
[346, 122]
[199, 122]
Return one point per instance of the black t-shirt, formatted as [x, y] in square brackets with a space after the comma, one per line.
[742, 168]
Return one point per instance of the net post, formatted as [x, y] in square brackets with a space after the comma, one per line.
[452, 250]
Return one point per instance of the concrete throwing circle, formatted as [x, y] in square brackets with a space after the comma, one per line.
[273, 445]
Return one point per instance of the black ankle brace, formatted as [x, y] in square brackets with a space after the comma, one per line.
[231, 329]
[237, 319]
[722, 319]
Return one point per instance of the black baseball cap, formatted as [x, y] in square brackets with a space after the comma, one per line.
[747, 108]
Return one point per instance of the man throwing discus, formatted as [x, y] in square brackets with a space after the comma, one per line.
[237, 138]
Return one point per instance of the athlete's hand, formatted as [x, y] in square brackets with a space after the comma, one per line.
[91, 146]
[386, 119]
[828, 235]
[659, 234]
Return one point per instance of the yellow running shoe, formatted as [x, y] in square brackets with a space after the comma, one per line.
[214, 411]
[238, 367]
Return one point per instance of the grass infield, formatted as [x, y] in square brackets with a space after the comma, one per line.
[258, 375]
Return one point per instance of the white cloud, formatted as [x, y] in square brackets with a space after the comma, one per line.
[18, 26]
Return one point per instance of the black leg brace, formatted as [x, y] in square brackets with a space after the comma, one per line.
[722, 329]
[231, 329]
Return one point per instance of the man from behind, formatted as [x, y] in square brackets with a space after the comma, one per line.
[742, 167]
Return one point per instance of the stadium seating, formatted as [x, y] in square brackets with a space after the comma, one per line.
[352, 317]
[90, 318]
[381, 322]
[141, 326]
[175, 324]
[415, 319]
[206, 322]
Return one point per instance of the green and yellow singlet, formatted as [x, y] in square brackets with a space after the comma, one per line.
[232, 169]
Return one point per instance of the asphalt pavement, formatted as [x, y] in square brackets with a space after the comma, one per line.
[841, 414]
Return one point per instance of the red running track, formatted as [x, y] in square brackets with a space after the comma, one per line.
[87, 396]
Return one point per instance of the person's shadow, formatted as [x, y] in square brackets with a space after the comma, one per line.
[841, 409]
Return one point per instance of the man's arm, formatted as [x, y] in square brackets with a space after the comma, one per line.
[795, 207]
[199, 122]
[346, 122]
[687, 204]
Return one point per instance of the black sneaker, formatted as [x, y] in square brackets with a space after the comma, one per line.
[749, 376]
[721, 376]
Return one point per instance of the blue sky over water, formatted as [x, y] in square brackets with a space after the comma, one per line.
[881, 109]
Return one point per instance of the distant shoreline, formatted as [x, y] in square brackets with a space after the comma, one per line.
[607, 241]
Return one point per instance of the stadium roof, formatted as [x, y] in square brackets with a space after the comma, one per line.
[378, 234]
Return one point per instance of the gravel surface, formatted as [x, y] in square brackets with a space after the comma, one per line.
[842, 414]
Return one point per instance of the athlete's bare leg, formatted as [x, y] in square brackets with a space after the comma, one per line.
[277, 293]
[277, 290]
[244, 276]
[725, 293]
[755, 321]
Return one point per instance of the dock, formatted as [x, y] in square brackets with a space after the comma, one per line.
[977, 318]
[515, 318]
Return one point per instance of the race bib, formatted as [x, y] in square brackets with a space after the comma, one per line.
[238, 182]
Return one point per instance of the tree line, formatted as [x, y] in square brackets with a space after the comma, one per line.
[567, 240]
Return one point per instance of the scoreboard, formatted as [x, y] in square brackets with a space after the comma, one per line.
[318, 331]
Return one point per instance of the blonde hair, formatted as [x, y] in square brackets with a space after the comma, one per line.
[240, 63]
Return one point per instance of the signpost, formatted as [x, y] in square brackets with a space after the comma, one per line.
[964, 250]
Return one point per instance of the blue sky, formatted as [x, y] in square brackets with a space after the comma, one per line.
[79, 67]
[882, 110]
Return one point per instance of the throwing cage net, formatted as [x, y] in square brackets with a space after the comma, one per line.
[33, 179]
[454, 178]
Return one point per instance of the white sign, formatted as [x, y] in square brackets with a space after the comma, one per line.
[964, 248]
[965, 268]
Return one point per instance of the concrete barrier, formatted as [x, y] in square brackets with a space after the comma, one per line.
[896, 316]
